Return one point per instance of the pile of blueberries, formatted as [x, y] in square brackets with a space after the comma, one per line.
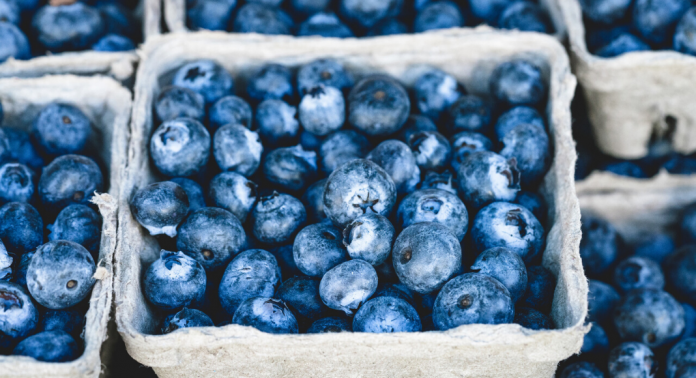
[615, 27]
[640, 303]
[361, 18]
[46, 274]
[334, 208]
[35, 27]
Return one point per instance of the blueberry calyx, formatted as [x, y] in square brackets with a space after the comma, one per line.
[514, 218]
[277, 305]
[379, 95]
[432, 205]
[326, 75]
[316, 92]
[465, 301]
[71, 284]
[193, 73]
[17, 174]
[207, 254]
[67, 120]
[406, 255]
[78, 196]
[9, 300]
[327, 235]
[170, 258]
[366, 203]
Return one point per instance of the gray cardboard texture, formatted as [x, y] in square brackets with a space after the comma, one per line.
[107, 105]
[635, 95]
[468, 351]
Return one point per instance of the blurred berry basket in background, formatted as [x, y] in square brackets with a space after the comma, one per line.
[634, 62]
[351, 18]
[83, 37]
[106, 106]
[197, 348]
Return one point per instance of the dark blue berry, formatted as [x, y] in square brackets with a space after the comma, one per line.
[324, 24]
[175, 102]
[621, 44]
[442, 181]
[368, 13]
[469, 113]
[267, 315]
[301, 294]
[290, 168]
[341, 147]
[530, 147]
[378, 105]
[680, 356]
[655, 21]
[441, 14]
[61, 129]
[386, 315]
[684, 40]
[21, 227]
[69, 179]
[369, 237]
[434, 205]
[601, 298]
[598, 247]
[632, 360]
[271, 82]
[160, 207]
[582, 369]
[518, 82]
[326, 72]
[541, 285]
[465, 143]
[205, 77]
[180, 147]
[488, 10]
[517, 116]
[595, 344]
[277, 122]
[69, 321]
[253, 273]
[229, 109]
[485, 177]
[234, 193]
[332, 324]
[186, 318]
[79, 224]
[435, 91]
[16, 183]
[276, 218]
[209, 14]
[318, 248]
[348, 285]
[21, 149]
[313, 200]
[638, 273]
[194, 192]
[505, 266]
[113, 43]
[396, 158]
[530, 318]
[49, 346]
[650, 316]
[680, 271]
[524, 16]
[605, 11]
[257, 18]
[13, 43]
[75, 26]
[237, 149]
[174, 281]
[18, 315]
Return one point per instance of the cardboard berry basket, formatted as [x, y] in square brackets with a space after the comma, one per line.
[107, 104]
[175, 16]
[468, 351]
[119, 65]
[599, 182]
[633, 96]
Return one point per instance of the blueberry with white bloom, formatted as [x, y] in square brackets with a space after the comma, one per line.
[517, 116]
[16, 183]
[632, 359]
[322, 110]
[253, 273]
[431, 150]
[504, 224]
[258, 18]
[367, 14]
[396, 158]
[267, 315]
[18, 315]
[442, 181]
[486, 177]
[378, 105]
[650, 316]
[79, 224]
[425, 256]
[229, 109]
[530, 147]
[61, 129]
[234, 193]
[180, 147]
[434, 205]
[290, 168]
[185, 318]
[174, 281]
[277, 123]
[438, 15]
[415, 123]
[465, 143]
[237, 149]
[469, 113]
[341, 147]
[21, 227]
[386, 315]
[331, 324]
[271, 81]
[206, 77]
[681, 356]
[505, 266]
[49, 346]
[369, 237]
[318, 248]
[435, 91]
[638, 273]
[194, 192]
[518, 82]
[160, 207]
[326, 72]
[524, 16]
[67, 180]
[174, 102]
[276, 218]
[347, 286]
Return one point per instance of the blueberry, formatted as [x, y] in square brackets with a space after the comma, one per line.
[69, 321]
[524, 16]
[205, 77]
[175, 102]
[681, 355]
[13, 43]
[605, 11]
[318, 248]
[425, 256]
[341, 147]
[229, 109]
[621, 44]
[688, 370]
[277, 217]
[434, 205]
[368, 13]
[326, 72]
[388, 26]
[234, 193]
[276, 122]
[253, 273]
[79, 224]
[160, 207]
[209, 14]
[599, 36]
[119, 19]
[307, 7]
[301, 294]
[322, 110]
[638, 273]
[21, 149]
[60, 274]
[378, 105]
[186, 318]
[680, 270]
[69, 179]
[271, 82]
[534, 203]
[194, 192]
[261, 19]
[61, 129]
[21, 227]
[472, 298]
[431, 150]
[435, 91]
[529, 146]
[415, 124]
[598, 247]
[656, 21]
[505, 266]
[503, 224]
[286, 261]
[400, 291]
[517, 116]
[684, 40]
[440, 14]
[518, 82]
[75, 26]
[689, 322]
[348, 285]
[595, 344]
[16, 183]
[5, 264]
[50, 346]
[488, 10]
[469, 113]
[680, 165]
[313, 200]
[267, 315]
[332, 324]
[441, 181]
[369, 237]
[237, 149]
[180, 147]
[113, 43]
[485, 177]
[532, 319]
[290, 168]
[581, 369]
[602, 299]
[386, 315]
[10, 12]
[650, 316]
[212, 236]
[541, 285]
[687, 225]
[465, 143]
[632, 360]
[174, 281]
[355, 188]
[310, 141]
[324, 24]
[20, 274]
[396, 158]
[18, 315]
